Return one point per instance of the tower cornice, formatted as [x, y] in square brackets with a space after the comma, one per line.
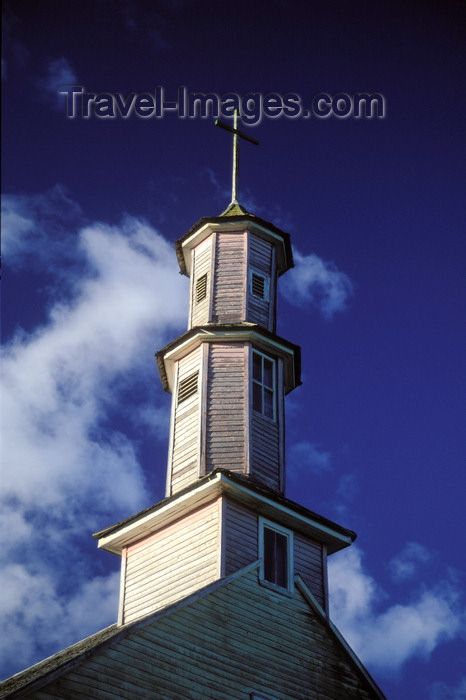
[227, 222]
[219, 483]
[261, 338]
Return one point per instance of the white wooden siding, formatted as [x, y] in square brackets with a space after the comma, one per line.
[240, 538]
[225, 406]
[308, 562]
[230, 278]
[239, 639]
[202, 264]
[172, 563]
[185, 449]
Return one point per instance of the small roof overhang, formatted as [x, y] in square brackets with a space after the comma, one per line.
[207, 225]
[242, 489]
[259, 337]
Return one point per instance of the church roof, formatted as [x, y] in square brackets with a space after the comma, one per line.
[120, 646]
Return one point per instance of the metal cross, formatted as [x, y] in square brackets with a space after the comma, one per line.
[236, 132]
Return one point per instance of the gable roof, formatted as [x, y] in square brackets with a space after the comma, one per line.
[192, 620]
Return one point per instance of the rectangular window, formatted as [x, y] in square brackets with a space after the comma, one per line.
[263, 384]
[276, 554]
[201, 288]
[187, 387]
[259, 285]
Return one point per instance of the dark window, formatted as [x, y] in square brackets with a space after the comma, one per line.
[201, 288]
[275, 557]
[187, 387]
[263, 385]
[258, 285]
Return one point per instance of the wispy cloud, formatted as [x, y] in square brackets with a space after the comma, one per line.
[57, 74]
[442, 691]
[306, 458]
[41, 228]
[317, 284]
[406, 565]
[386, 636]
[67, 469]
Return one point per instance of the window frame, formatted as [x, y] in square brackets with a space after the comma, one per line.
[270, 525]
[201, 285]
[182, 383]
[266, 280]
[263, 386]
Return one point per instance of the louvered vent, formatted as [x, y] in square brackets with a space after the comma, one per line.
[258, 286]
[187, 387]
[201, 288]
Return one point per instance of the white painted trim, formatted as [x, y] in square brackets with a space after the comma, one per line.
[273, 293]
[247, 253]
[166, 512]
[247, 408]
[266, 278]
[213, 260]
[271, 525]
[171, 438]
[275, 384]
[221, 551]
[121, 600]
[280, 402]
[191, 289]
[325, 578]
[204, 370]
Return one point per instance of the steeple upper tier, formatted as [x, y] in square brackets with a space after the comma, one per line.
[233, 261]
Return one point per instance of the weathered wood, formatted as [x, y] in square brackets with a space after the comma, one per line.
[172, 562]
[238, 639]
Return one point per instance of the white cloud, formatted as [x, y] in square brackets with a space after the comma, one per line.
[40, 228]
[407, 563]
[317, 283]
[442, 691]
[305, 457]
[58, 73]
[66, 469]
[388, 639]
[32, 602]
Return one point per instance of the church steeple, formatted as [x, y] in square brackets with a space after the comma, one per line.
[229, 373]
[225, 516]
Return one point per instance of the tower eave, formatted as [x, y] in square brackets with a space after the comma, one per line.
[223, 482]
[207, 225]
[227, 333]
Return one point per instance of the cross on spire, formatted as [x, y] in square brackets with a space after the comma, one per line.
[236, 132]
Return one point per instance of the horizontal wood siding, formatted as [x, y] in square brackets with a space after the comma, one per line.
[202, 258]
[230, 278]
[240, 639]
[172, 563]
[308, 563]
[260, 259]
[265, 450]
[186, 433]
[240, 537]
[225, 406]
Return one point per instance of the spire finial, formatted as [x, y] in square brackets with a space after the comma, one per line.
[236, 132]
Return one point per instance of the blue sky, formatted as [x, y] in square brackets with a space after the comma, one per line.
[91, 290]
